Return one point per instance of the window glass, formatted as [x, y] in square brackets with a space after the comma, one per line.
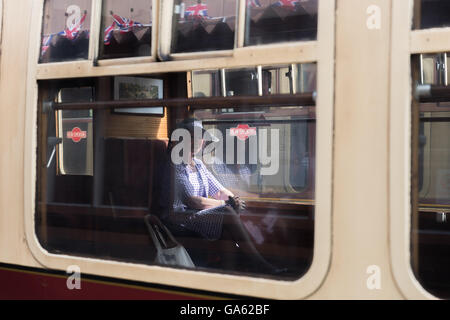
[431, 187]
[238, 165]
[135, 88]
[242, 82]
[127, 29]
[206, 83]
[203, 25]
[65, 31]
[271, 21]
[306, 77]
[431, 14]
[142, 204]
[277, 80]
[434, 69]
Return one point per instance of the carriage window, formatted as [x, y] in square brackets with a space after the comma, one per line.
[242, 202]
[127, 29]
[65, 31]
[268, 80]
[431, 183]
[431, 14]
[271, 21]
[277, 80]
[203, 25]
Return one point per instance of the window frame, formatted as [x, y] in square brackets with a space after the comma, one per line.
[320, 51]
[405, 42]
[1, 23]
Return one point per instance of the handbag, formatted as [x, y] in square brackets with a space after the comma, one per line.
[168, 250]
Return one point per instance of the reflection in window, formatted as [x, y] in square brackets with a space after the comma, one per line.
[203, 25]
[237, 167]
[431, 189]
[270, 21]
[127, 29]
[431, 14]
[65, 32]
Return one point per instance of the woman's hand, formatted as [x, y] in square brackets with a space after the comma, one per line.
[236, 203]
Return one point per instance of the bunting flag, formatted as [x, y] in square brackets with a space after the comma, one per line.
[253, 3]
[195, 11]
[125, 25]
[290, 4]
[46, 41]
[69, 33]
[108, 33]
[72, 33]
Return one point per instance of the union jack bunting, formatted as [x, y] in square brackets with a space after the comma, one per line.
[253, 3]
[290, 4]
[72, 33]
[46, 43]
[125, 25]
[198, 10]
[108, 33]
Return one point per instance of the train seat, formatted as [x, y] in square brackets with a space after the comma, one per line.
[129, 178]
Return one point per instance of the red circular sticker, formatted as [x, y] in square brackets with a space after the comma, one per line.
[242, 132]
[76, 135]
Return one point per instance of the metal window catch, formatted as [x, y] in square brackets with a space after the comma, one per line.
[52, 142]
[422, 91]
[441, 217]
[441, 69]
[435, 71]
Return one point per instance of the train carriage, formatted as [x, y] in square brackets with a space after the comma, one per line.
[327, 118]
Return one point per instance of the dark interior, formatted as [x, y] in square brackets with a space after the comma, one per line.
[433, 14]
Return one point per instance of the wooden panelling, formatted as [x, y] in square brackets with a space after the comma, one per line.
[125, 126]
